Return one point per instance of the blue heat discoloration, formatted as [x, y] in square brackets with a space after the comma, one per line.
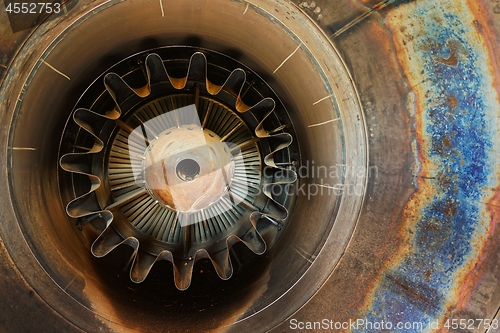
[457, 139]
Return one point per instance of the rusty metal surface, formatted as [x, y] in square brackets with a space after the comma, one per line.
[449, 223]
[99, 286]
[438, 259]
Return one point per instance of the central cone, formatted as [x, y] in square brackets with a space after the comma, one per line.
[188, 168]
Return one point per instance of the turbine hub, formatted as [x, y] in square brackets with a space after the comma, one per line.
[188, 168]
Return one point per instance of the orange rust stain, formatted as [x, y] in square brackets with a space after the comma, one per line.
[492, 243]
[489, 34]
[452, 60]
[451, 210]
[425, 190]
[446, 142]
[456, 50]
[452, 101]
[414, 293]
[428, 274]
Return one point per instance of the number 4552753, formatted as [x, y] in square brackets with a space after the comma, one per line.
[33, 8]
[471, 324]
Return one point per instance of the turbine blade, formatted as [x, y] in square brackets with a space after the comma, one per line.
[254, 241]
[183, 271]
[108, 240]
[78, 163]
[155, 69]
[84, 205]
[273, 208]
[197, 70]
[234, 83]
[120, 91]
[263, 107]
[142, 265]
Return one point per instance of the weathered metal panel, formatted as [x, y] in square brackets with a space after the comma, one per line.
[450, 220]
[438, 256]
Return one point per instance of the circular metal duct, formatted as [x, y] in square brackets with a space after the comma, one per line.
[217, 165]
[96, 110]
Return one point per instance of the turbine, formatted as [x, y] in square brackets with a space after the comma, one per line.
[176, 173]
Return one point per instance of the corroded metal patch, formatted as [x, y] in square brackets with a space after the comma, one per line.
[447, 222]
